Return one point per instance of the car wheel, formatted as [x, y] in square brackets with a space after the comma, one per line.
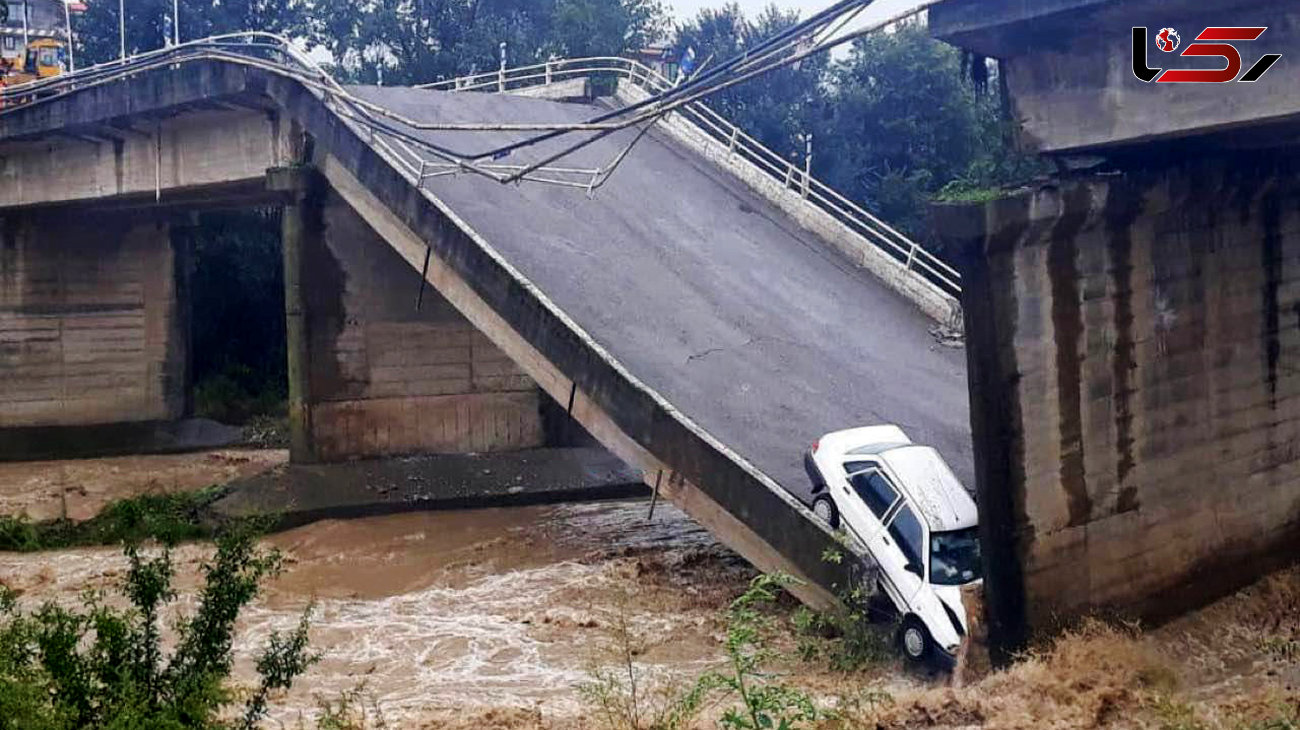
[824, 508]
[914, 640]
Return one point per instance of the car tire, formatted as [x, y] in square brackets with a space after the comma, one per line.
[914, 641]
[824, 508]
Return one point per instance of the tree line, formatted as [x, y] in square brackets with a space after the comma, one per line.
[893, 121]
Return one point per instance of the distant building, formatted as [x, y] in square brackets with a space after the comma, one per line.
[45, 19]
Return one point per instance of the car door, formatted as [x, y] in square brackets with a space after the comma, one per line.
[904, 540]
[870, 499]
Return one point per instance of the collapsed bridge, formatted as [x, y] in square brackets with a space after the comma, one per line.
[703, 319]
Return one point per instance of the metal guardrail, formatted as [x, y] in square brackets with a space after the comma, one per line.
[277, 55]
[913, 256]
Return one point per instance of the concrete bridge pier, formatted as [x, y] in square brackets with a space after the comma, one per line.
[379, 362]
[93, 330]
[1133, 327]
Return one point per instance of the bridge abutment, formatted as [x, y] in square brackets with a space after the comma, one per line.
[93, 334]
[1133, 331]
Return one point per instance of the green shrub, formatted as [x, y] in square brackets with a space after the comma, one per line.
[857, 635]
[167, 518]
[101, 668]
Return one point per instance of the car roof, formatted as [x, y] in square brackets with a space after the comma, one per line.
[868, 440]
[940, 498]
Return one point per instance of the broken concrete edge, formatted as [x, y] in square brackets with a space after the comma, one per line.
[999, 478]
[626, 415]
[930, 299]
[998, 28]
[577, 88]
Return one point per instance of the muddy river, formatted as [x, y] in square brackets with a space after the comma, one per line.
[445, 611]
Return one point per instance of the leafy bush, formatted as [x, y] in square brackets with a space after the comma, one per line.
[764, 703]
[98, 667]
[856, 636]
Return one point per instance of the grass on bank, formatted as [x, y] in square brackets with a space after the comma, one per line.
[166, 518]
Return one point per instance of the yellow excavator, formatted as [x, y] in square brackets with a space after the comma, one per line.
[43, 58]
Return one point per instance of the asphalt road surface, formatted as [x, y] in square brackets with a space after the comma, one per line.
[756, 330]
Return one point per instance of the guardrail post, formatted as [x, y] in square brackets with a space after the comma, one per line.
[501, 72]
[789, 175]
[911, 256]
[735, 136]
[807, 165]
[548, 72]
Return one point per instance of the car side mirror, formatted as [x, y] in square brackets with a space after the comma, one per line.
[915, 568]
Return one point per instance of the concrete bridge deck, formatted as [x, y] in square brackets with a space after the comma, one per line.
[685, 321]
[754, 329]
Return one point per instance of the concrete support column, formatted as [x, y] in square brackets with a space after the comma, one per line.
[1133, 343]
[300, 218]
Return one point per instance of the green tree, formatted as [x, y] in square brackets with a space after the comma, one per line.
[904, 121]
[779, 108]
[416, 41]
[103, 668]
[148, 23]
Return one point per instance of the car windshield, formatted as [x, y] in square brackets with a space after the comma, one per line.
[954, 557]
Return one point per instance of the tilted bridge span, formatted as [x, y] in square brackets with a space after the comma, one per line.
[703, 308]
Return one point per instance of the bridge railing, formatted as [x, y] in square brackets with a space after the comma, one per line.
[793, 176]
[276, 54]
[266, 47]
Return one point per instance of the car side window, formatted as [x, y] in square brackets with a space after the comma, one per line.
[874, 489]
[907, 532]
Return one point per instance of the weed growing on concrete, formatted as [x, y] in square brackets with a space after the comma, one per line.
[101, 667]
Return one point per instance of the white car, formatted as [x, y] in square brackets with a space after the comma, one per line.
[904, 506]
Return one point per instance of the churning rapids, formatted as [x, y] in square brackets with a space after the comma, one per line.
[445, 611]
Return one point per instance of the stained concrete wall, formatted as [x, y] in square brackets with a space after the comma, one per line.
[1134, 359]
[388, 378]
[1078, 93]
[157, 159]
[90, 326]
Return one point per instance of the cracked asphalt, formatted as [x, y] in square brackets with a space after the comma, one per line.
[756, 330]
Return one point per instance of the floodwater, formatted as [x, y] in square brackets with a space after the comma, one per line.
[445, 611]
[80, 488]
